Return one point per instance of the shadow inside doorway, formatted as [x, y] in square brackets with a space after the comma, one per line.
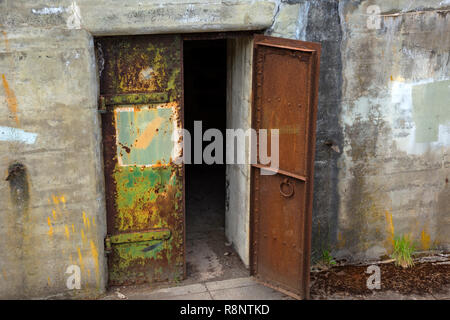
[208, 255]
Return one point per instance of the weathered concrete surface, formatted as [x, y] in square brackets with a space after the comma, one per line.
[394, 170]
[108, 17]
[52, 212]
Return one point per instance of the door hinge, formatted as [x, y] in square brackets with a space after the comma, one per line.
[105, 101]
[141, 236]
[107, 244]
[101, 104]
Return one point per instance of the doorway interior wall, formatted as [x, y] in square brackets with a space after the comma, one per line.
[239, 87]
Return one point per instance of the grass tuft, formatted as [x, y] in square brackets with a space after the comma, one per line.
[327, 259]
[403, 250]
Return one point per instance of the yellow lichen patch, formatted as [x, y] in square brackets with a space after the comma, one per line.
[80, 259]
[93, 221]
[73, 228]
[49, 283]
[56, 212]
[63, 201]
[390, 228]
[94, 253]
[84, 219]
[83, 237]
[66, 231]
[55, 199]
[341, 240]
[50, 229]
[425, 240]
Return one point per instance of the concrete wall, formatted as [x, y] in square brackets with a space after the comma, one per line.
[395, 165]
[51, 190]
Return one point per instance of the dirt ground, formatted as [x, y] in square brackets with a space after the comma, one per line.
[429, 277]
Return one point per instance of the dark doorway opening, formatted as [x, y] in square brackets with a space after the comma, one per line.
[208, 256]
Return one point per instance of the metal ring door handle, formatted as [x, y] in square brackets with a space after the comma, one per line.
[291, 188]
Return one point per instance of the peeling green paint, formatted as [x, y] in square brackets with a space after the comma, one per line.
[137, 192]
[431, 102]
[146, 221]
[144, 135]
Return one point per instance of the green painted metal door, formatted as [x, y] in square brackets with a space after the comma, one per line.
[141, 106]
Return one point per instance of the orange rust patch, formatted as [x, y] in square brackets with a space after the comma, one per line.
[6, 40]
[149, 133]
[426, 240]
[10, 99]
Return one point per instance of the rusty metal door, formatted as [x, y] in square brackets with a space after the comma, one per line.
[141, 106]
[285, 87]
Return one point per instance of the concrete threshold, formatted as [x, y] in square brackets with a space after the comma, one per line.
[231, 289]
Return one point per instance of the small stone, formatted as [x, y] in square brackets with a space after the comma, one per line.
[120, 295]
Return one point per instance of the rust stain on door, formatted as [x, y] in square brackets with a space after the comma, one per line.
[140, 83]
[285, 82]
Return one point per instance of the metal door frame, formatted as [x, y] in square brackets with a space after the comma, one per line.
[259, 40]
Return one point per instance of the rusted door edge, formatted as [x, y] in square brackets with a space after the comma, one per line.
[310, 165]
[277, 288]
[313, 47]
[183, 169]
[283, 172]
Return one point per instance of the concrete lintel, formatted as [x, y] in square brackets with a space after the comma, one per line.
[109, 17]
